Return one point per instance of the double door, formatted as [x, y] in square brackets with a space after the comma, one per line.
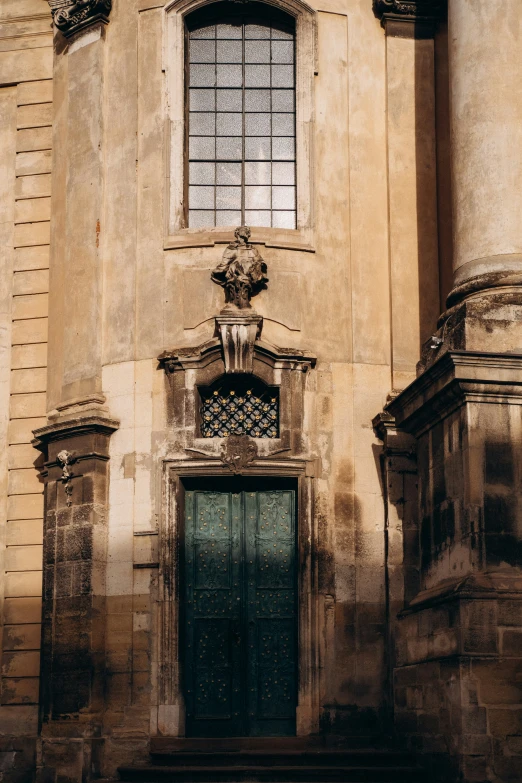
[240, 629]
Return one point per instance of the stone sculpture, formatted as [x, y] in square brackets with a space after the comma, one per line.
[241, 272]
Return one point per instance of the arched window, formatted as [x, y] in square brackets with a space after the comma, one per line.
[240, 106]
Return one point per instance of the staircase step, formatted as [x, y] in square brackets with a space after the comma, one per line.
[314, 742]
[279, 774]
[271, 758]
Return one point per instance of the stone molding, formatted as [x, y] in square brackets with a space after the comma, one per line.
[72, 16]
[59, 431]
[410, 18]
[457, 378]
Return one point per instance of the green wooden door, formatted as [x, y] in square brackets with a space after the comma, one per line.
[240, 629]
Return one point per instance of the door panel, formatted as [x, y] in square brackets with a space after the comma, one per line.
[213, 613]
[240, 635]
[271, 667]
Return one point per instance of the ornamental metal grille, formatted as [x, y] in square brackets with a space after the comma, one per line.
[242, 406]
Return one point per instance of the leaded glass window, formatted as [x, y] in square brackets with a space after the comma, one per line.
[241, 156]
[242, 405]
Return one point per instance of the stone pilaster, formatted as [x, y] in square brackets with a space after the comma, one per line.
[75, 440]
[75, 557]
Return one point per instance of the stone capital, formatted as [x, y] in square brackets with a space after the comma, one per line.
[72, 16]
[410, 18]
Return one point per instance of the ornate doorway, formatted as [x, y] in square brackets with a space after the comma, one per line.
[240, 608]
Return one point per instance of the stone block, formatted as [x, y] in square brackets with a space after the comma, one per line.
[474, 720]
[34, 140]
[25, 507]
[29, 234]
[24, 558]
[510, 613]
[21, 430]
[21, 663]
[35, 281]
[22, 610]
[503, 722]
[512, 645]
[33, 186]
[19, 720]
[24, 481]
[38, 162]
[35, 379]
[34, 115]
[499, 682]
[22, 690]
[34, 92]
[30, 331]
[32, 210]
[26, 258]
[23, 584]
[22, 637]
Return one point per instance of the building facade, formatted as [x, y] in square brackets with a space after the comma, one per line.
[260, 378]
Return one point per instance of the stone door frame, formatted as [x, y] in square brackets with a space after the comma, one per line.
[171, 707]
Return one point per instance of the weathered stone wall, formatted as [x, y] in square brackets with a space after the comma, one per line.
[364, 281]
[25, 130]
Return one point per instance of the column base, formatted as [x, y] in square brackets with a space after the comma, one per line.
[489, 321]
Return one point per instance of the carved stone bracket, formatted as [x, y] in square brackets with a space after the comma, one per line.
[238, 451]
[238, 333]
[410, 18]
[71, 16]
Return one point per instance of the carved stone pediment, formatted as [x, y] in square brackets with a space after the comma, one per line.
[71, 16]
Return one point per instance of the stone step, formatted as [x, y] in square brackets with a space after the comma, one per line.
[271, 774]
[282, 758]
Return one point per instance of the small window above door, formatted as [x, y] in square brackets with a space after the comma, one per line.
[239, 405]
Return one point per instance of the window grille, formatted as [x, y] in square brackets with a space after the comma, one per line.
[241, 406]
[241, 117]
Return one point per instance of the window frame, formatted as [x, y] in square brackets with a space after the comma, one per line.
[176, 232]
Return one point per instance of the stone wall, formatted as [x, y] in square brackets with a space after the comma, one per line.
[25, 128]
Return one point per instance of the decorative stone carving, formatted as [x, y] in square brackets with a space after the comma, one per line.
[237, 452]
[410, 18]
[242, 271]
[238, 334]
[65, 459]
[71, 16]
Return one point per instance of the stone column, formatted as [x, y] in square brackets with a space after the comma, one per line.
[485, 304]
[486, 136]
[463, 630]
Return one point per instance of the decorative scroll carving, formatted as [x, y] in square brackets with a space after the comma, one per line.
[242, 271]
[237, 452]
[65, 459]
[410, 18]
[71, 16]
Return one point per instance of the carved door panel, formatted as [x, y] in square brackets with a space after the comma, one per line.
[240, 613]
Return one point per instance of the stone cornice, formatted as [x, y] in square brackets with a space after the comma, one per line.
[72, 16]
[457, 378]
[410, 18]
